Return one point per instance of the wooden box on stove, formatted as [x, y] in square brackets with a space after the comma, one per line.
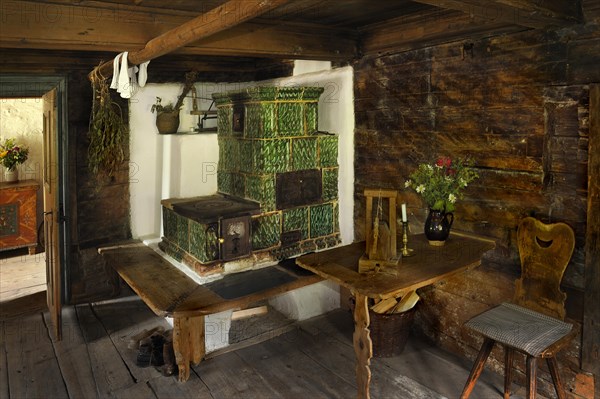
[18, 215]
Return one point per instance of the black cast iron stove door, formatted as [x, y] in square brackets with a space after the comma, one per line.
[235, 237]
[303, 187]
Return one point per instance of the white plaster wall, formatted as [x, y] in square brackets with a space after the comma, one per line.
[216, 330]
[310, 301]
[22, 119]
[167, 166]
[307, 66]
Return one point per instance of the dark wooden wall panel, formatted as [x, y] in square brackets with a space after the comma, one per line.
[591, 9]
[518, 104]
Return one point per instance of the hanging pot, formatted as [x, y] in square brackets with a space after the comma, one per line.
[167, 122]
[437, 226]
[11, 175]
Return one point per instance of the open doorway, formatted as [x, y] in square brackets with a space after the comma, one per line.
[22, 262]
[51, 89]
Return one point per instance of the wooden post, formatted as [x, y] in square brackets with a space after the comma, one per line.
[363, 346]
[591, 311]
[188, 343]
[220, 18]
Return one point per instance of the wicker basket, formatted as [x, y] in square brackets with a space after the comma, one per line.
[389, 332]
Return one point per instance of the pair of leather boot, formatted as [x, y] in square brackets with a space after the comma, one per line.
[157, 350]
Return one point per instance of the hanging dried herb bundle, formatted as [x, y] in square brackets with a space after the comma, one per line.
[108, 132]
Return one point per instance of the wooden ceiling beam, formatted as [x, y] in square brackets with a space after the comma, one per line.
[97, 27]
[220, 18]
[528, 13]
[427, 29]
[170, 67]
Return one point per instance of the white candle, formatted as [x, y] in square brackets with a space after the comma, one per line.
[404, 219]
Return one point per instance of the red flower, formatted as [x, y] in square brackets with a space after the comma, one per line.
[443, 162]
[450, 172]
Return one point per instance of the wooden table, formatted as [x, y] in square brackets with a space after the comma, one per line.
[429, 265]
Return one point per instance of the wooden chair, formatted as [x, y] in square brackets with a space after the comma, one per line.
[533, 323]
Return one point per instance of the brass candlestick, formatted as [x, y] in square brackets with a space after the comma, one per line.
[405, 250]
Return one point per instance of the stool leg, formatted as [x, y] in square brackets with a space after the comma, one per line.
[531, 376]
[484, 352]
[509, 355]
[553, 366]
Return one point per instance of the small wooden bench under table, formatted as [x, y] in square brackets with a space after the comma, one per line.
[169, 292]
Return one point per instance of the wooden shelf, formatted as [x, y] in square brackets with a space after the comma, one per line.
[203, 131]
[211, 112]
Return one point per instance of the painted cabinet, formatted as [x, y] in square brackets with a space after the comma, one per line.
[18, 215]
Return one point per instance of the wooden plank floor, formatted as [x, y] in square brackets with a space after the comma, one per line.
[313, 360]
[21, 274]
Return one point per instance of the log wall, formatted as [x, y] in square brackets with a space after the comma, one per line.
[519, 105]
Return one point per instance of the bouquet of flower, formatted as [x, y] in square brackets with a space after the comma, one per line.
[12, 155]
[442, 183]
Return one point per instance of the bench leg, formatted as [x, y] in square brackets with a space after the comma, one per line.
[188, 343]
[363, 346]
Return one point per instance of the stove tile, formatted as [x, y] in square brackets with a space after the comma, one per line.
[225, 182]
[312, 117]
[204, 242]
[330, 184]
[170, 224]
[296, 219]
[224, 117]
[271, 156]
[328, 151]
[183, 232]
[290, 119]
[261, 188]
[229, 154]
[304, 153]
[260, 120]
[266, 231]
[336, 217]
[321, 220]
[246, 155]
[238, 185]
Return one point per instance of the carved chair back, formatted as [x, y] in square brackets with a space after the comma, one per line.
[545, 251]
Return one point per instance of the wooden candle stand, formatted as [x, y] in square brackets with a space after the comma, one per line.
[380, 251]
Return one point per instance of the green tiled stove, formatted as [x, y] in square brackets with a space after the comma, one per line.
[277, 173]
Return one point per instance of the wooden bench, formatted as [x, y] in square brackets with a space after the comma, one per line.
[170, 292]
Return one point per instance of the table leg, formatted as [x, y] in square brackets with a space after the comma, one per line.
[188, 343]
[363, 346]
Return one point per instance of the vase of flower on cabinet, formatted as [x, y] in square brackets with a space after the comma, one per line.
[437, 226]
[11, 175]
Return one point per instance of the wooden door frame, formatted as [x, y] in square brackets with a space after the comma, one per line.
[25, 85]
